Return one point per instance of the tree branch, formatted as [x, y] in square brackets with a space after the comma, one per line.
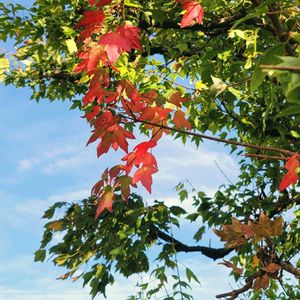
[235, 293]
[207, 137]
[213, 253]
[221, 23]
[283, 204]
[290, 269]
[283, 68]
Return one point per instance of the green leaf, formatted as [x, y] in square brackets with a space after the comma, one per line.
[270, 57]
[218, 86]
[72, 47]
[133, 3]
[39, 255]
[177, 211]
[190, 275]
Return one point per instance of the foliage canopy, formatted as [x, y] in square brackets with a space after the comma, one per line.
[227, 71]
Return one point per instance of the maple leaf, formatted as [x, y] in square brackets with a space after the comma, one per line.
[180, 121]
[90, 60]
[92, 17]
[114, 44]
[143, 147]
[272, 268]
[125, 182]
[114, 137]
[261, 282]
[123, 40]
[144, 175]
[93, 113]
[194, 13]
[131, 34]
[176, 99]
[105, 201]
[99, 3]
[232, 266]
[291, 177]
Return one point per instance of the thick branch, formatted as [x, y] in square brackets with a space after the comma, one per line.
[282, 35]
[221, 23]
[207, 137]
[290, 269]
[213, 253]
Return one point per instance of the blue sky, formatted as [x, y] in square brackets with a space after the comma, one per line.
[44, 160]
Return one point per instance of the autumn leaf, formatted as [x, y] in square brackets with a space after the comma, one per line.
[291, 177]
[114, 137]
[194, 13]
[143, 147]
[92, 17]
[125, 182]
[90, 60]
[266, 227]
[99, 3]
[131, 34]
[180, 120]
[144, 175]
[123, 40]
[176, 99]
[272, 268]
[232, 266]
[55, 225]
[261, 282]
[105, 201]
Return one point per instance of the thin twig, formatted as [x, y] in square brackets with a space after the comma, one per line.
[266, 157]
[235, 293]
[223, 173]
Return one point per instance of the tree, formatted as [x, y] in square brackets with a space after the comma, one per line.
[227, 71]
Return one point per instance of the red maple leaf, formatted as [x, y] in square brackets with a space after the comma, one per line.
[92, 17]
[291, 177]
[194, 13]
[105, 202]
[176, 99]
[99, 3]
[123, 40]
[90, 60]
[114, 137]
[144, 175]
[180, 121]
[142, 148]
[131, 34]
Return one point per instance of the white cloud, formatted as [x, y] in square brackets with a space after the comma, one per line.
[42, 157]
[25, 164]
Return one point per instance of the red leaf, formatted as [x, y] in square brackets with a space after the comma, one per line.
[99, 3]
[105, 202]
[114, 44]
[131, 34]
[232, 266]
[93, 113]
[123, 40]
[92, 17]
[144, 175]
[142, 148]
[180, 121]
[125, 182]
[194, 13]
[90, 59]
[176, 99]
[114, 137]
[291, 177]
